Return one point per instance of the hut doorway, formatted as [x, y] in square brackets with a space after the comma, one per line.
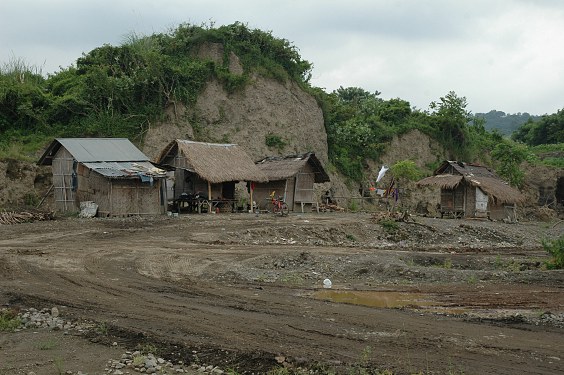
[560, 191]
[228, 190]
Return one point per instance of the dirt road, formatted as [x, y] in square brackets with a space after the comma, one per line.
[245, 292]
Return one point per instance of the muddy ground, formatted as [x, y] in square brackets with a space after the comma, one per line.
[245, 292]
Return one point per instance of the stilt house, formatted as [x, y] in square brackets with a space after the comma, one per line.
[111, 172]
[471, 190]
[292, 177]
[208, 169]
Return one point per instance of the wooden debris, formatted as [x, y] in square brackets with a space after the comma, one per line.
[13, 217]
[329, 207]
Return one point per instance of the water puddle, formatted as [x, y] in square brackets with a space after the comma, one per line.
[376, 298]
[420, 302]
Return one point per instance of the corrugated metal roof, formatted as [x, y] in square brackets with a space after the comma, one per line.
[126, 169]
[102, 149]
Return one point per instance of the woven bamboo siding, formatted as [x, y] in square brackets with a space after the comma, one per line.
[297, 173]
[470, 204]
[261, 194]
[133, 197]
[65, 199]
[304, 184]
[289, 191]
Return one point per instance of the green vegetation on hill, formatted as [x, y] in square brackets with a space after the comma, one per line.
[118, 91]
[548, 130]
[505, 123]
[360, 125]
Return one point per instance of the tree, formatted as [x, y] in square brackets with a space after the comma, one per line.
[450, 119]
[510, 155]
[404, 171]
[548, 130]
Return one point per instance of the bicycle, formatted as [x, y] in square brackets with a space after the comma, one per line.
[279, 207]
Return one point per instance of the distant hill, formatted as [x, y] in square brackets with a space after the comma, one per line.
[506, 123]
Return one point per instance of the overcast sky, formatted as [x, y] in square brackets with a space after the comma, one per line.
[506, 55]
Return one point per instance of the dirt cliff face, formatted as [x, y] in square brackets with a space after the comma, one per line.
[23, 183]
[542, 190]
[264, 108]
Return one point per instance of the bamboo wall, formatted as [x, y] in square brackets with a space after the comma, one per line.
[296, 189]
[65, 197]
[74, 183]
[261, 194]
[303, 189]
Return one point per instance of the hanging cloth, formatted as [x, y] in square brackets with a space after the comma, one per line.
[382, 172]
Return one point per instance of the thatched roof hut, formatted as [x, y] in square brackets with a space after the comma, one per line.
[467, 188]
[208, 169]
[213, 162]
[293, 177]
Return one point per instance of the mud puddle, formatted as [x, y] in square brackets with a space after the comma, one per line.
[393, 300]
[378, 299]
[421, 302]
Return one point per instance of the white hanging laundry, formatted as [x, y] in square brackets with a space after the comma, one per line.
[382, 172]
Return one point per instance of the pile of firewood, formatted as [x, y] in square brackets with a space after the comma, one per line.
[330, 207]
[13, 217]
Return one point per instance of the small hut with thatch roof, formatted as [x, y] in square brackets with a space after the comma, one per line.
[472, 190]
[291, 177]
[210, 170]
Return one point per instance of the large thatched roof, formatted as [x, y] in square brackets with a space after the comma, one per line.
[451, 173]
[283, 167]
[213, 162]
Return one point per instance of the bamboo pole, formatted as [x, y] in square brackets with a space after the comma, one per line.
[251, 197]
[209, 198]
[111, 198]
[45, 196]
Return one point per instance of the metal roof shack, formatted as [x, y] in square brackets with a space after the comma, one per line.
[94, 150]
[111, 172]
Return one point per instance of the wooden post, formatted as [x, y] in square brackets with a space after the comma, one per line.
[111, 197]
[209, 198]
[251, 196]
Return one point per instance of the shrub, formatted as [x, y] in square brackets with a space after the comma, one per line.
[556, 249]
[274, 141]
[389, 225]
[9, 320]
